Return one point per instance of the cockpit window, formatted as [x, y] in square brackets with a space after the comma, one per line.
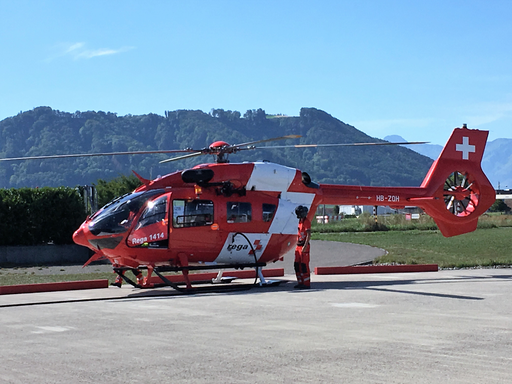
[192, 213]
[117, 216]
[155, 212]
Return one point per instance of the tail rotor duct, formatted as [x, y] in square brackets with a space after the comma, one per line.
[461, 194]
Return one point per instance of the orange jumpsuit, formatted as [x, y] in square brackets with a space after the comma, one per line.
[301, 264]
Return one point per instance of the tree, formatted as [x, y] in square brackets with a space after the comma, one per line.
[108, 190]
[500, 206]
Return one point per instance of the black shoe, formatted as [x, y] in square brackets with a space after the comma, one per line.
[298, 286]
[116, 284]
[304, 287]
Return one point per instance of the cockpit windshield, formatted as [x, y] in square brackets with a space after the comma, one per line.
[117, 216]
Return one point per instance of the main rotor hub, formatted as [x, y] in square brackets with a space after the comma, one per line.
[220, 149]
[218, 146]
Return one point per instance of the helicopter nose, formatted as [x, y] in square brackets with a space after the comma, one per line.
[79, 237]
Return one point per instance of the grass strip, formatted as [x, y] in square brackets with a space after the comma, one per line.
[482, 248]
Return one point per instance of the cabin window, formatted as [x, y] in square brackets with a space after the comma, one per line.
[239, 212]
[156, 211]
[192, 213]
[268, 212]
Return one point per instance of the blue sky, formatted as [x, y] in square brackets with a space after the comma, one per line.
[413, 68]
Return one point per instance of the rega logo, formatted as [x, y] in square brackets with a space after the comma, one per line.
[237, 247]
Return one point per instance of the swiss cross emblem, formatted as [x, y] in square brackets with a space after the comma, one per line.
[257, 246]
[465, 148]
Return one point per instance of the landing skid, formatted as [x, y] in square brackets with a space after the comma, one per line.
[219, 284]
[270, 283]
[266, 283]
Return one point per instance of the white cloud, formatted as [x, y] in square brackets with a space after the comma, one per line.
[80, 51]
[90, 53]
[489, 112]
[74, 47]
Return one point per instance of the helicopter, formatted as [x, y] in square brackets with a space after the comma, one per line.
[226, 215]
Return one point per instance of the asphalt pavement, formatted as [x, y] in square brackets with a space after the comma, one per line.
[451, 326]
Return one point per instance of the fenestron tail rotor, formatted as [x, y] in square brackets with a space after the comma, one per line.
[461, 194]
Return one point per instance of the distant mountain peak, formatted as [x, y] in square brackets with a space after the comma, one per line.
[496, 163]
[430, 150]
[394, 139]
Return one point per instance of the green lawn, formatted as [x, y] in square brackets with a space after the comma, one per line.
[484, 247]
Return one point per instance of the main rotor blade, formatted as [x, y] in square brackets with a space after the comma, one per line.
[266, 140]
[182, 157]
[338, 145]
[94, 154]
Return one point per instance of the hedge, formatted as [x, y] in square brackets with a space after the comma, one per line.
[34, 216]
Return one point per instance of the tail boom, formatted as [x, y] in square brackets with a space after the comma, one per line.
[455, 191]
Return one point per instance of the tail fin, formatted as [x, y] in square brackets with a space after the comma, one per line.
[460, 192]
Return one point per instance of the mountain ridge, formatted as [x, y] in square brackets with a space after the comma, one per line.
[44, 131]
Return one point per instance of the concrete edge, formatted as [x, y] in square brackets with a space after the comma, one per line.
[51, 287]
[376, 269]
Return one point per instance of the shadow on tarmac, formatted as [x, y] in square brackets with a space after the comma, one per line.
[373, 285]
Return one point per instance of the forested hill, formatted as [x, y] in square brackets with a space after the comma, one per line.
[44, 131]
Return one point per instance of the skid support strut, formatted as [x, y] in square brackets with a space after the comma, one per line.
[261, 277]
[263, 282]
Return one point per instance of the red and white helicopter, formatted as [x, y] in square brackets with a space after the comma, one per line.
[228, 215]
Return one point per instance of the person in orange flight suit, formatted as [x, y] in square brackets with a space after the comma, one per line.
[301, 264]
